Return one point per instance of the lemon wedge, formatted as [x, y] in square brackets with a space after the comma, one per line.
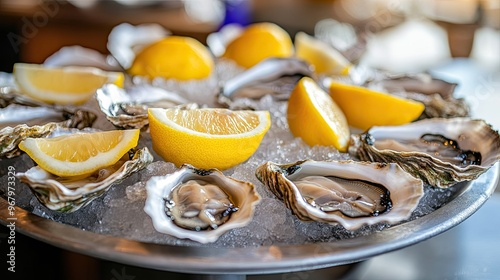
[80, 153]
[325, 59]
[207, 138]
[174, 57]
[313, 116]
[365, 108]
[257, 42]
[71, 85]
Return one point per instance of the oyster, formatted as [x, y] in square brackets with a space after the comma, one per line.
[441, 152]
[10, 137]
[22, 117]
[436, 94]
[199, 204]
[349, 193]
[275, 76]
[129, 109]
[126, 39]
[70, 194]
[16, 109]
[81, 56]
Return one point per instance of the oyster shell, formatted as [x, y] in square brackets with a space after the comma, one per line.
[69, 195]
[275, 76]
[125, 40]
[129, 109]
[10, 137]
[441, 152]
[436, 94]
[16, 109]
[22, 117]
[81, 56]
[199, 204]
[349, 193]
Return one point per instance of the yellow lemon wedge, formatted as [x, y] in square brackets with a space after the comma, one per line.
[80, 153]
[69, 85]
[313, 116]
[174, 57]
[207, 138]
[365, 108]
[257, 42]
[325, 59]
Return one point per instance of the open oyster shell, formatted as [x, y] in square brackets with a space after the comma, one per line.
[69, 195]
[274, 76]
[126, 39]
[442, 152]
[161, 200]
[16, 108]
[404, 191]
[129, 108]
[10, 137]
[436, 94]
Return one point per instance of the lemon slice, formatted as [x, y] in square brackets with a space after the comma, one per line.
[313, 116]
[71, 85]
[365, 108]
[207, 138]
[325, 59]
[174, 57]
[257, 42]
[80, 153]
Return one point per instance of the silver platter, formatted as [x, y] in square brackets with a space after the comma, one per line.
[263, 259]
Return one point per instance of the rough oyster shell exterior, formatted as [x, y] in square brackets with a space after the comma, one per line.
[405, 191]
[272, 76]
[242, 194]
[69, 195]
[129, 109]
[10, 137]
[475, 135]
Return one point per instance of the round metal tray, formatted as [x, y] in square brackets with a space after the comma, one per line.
[263, 259]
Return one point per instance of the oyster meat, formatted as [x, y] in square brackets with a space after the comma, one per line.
[442, 152]
[349, 193]
[199, 204]
[70, 194]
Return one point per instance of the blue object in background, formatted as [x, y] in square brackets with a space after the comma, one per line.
[237, 12]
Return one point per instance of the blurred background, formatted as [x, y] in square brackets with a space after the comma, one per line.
[428, 32]
[457, 40]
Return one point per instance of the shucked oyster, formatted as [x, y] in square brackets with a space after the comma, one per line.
[441, 152]
[275, 76]
[348, 193]
[10, 137]
[68, 195]
[129, 109]
[436, 94]
[199, 204]
[17, 109]
[22, 117]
